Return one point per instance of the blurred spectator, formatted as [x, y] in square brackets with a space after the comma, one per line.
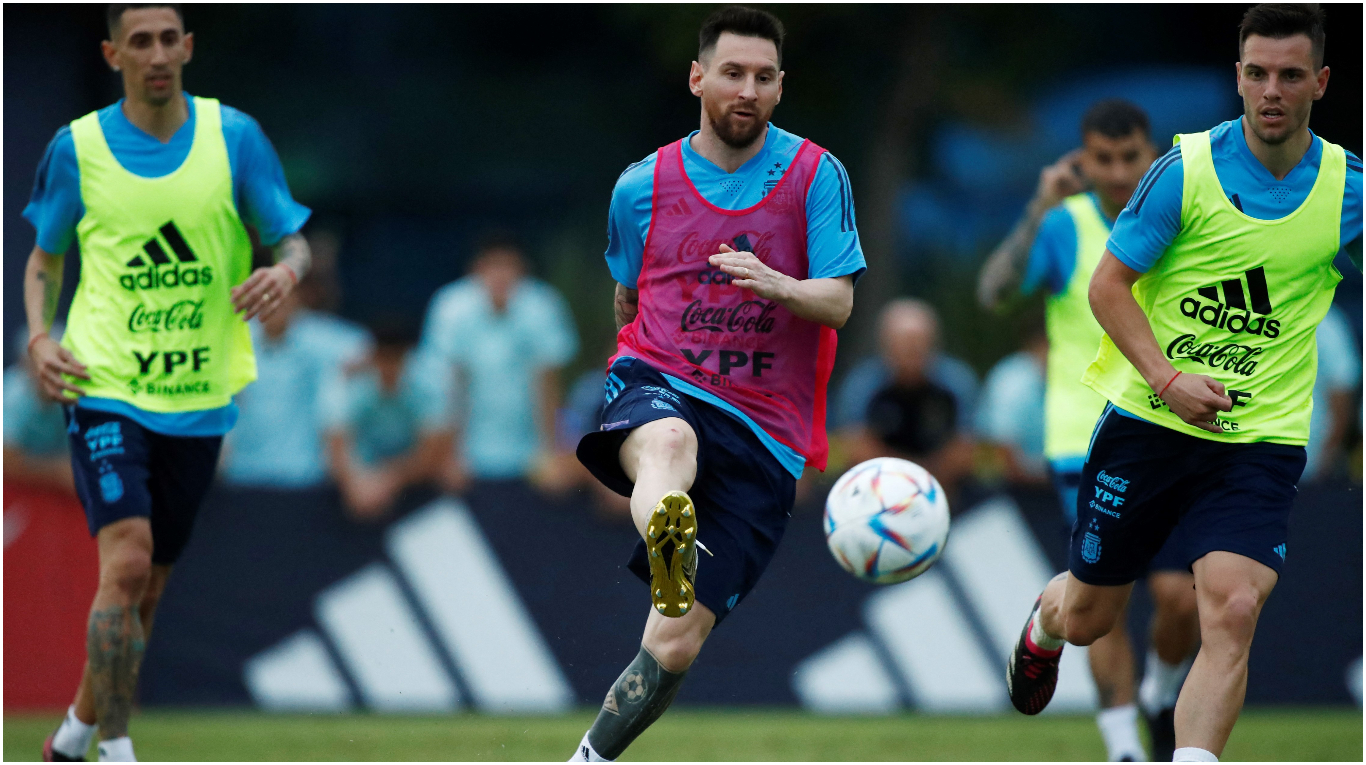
[1335, 396]
[910, 374]
[1010, 412]
[385, 423]
[277, 441]
[506, 335]
[582, 413]
[35, 430]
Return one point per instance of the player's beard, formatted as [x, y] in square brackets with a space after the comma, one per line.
[731, 133]
[1274, 139]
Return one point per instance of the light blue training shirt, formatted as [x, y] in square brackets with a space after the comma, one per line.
[833, 247]
[259, 189]
[1150, 222]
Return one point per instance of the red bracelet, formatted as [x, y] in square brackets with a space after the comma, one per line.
[292, 275]
[1168, 385]
[31, 339]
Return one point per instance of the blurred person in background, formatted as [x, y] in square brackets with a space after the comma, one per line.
[36, 450]
[278, 440]
[1224, 253]
[1336, 397]
[581, 415]
[385, 423]
[910, 360]
[1056, 247]
[504, 335]
[1010, 412]
[158, 189]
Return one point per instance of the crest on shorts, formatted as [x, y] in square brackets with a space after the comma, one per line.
[111, 487]
[1090, 548]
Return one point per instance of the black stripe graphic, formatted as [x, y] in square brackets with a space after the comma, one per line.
[1209, 293]
[182, 250]
[1233, 294]
[1155, 170]
[153, 248]
[1256, 291]
[844, 204]
[848, 195]
[1162, 164]
[137, 262]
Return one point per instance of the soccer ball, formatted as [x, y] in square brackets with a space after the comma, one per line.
[886, 520]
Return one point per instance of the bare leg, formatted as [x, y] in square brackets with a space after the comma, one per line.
[659, 457]
[1112, 666]
[1176, 623]
[1231, 590]
[115, 639]
[85, 699]
[1081, 613]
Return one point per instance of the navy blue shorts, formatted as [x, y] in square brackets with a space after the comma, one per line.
[123, 470]
[743, 495]
[1171, 557]
[1141, 479]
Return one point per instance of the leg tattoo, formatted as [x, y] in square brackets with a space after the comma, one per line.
[114, 646]
[635, 701]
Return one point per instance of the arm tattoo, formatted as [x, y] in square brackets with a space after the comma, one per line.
[1004, 270]
[293, 251]
[114, 646]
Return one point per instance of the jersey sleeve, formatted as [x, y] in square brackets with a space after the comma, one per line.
[259, 184]
[55, 207]
[628, 221]
[1351, 211]
[1152, 219]
[1054, 254]
[832, 242]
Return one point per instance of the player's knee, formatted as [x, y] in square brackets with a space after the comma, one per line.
[677, 652]
[125, 573]
[1234, 613]
[1084, 627]
[671, 443]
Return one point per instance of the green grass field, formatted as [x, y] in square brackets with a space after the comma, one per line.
[717, 734]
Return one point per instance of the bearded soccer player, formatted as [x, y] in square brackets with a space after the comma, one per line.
[1213, 283]
[735, 254]
[156, 189]
[1056, 246]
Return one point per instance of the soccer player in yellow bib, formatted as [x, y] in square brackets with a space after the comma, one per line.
[1213, 283]
[1057, 246]
[156, 188]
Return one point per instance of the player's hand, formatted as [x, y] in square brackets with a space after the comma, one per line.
[1198, 400]
[50, 362]
[1061, 180]
[453, 476]
[263, 292]
[370, 495]
[748, 272]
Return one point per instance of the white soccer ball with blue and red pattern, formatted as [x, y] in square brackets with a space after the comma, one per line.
[886, 520]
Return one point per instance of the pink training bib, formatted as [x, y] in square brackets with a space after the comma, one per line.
[694, 324]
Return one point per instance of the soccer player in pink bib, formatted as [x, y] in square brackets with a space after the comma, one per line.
[735, 254]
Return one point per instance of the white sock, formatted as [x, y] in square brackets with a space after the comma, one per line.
[1119, 727]
[117, 750]
[586, 753]
[1161, 683]
[73, 737]
[1043, 639]
[1193, 754]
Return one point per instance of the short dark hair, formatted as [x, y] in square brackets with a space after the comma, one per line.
[739, 20]
[497, 239]
[1282, 20]
[1115, 118]
[114, 15]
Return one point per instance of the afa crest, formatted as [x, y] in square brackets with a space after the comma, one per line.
[1090, 548]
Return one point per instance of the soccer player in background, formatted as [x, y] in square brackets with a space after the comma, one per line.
[1213, 283]
[156, 188]
[1057, 246]
[735, 254]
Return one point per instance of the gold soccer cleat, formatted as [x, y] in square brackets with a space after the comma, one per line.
[671, 544]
